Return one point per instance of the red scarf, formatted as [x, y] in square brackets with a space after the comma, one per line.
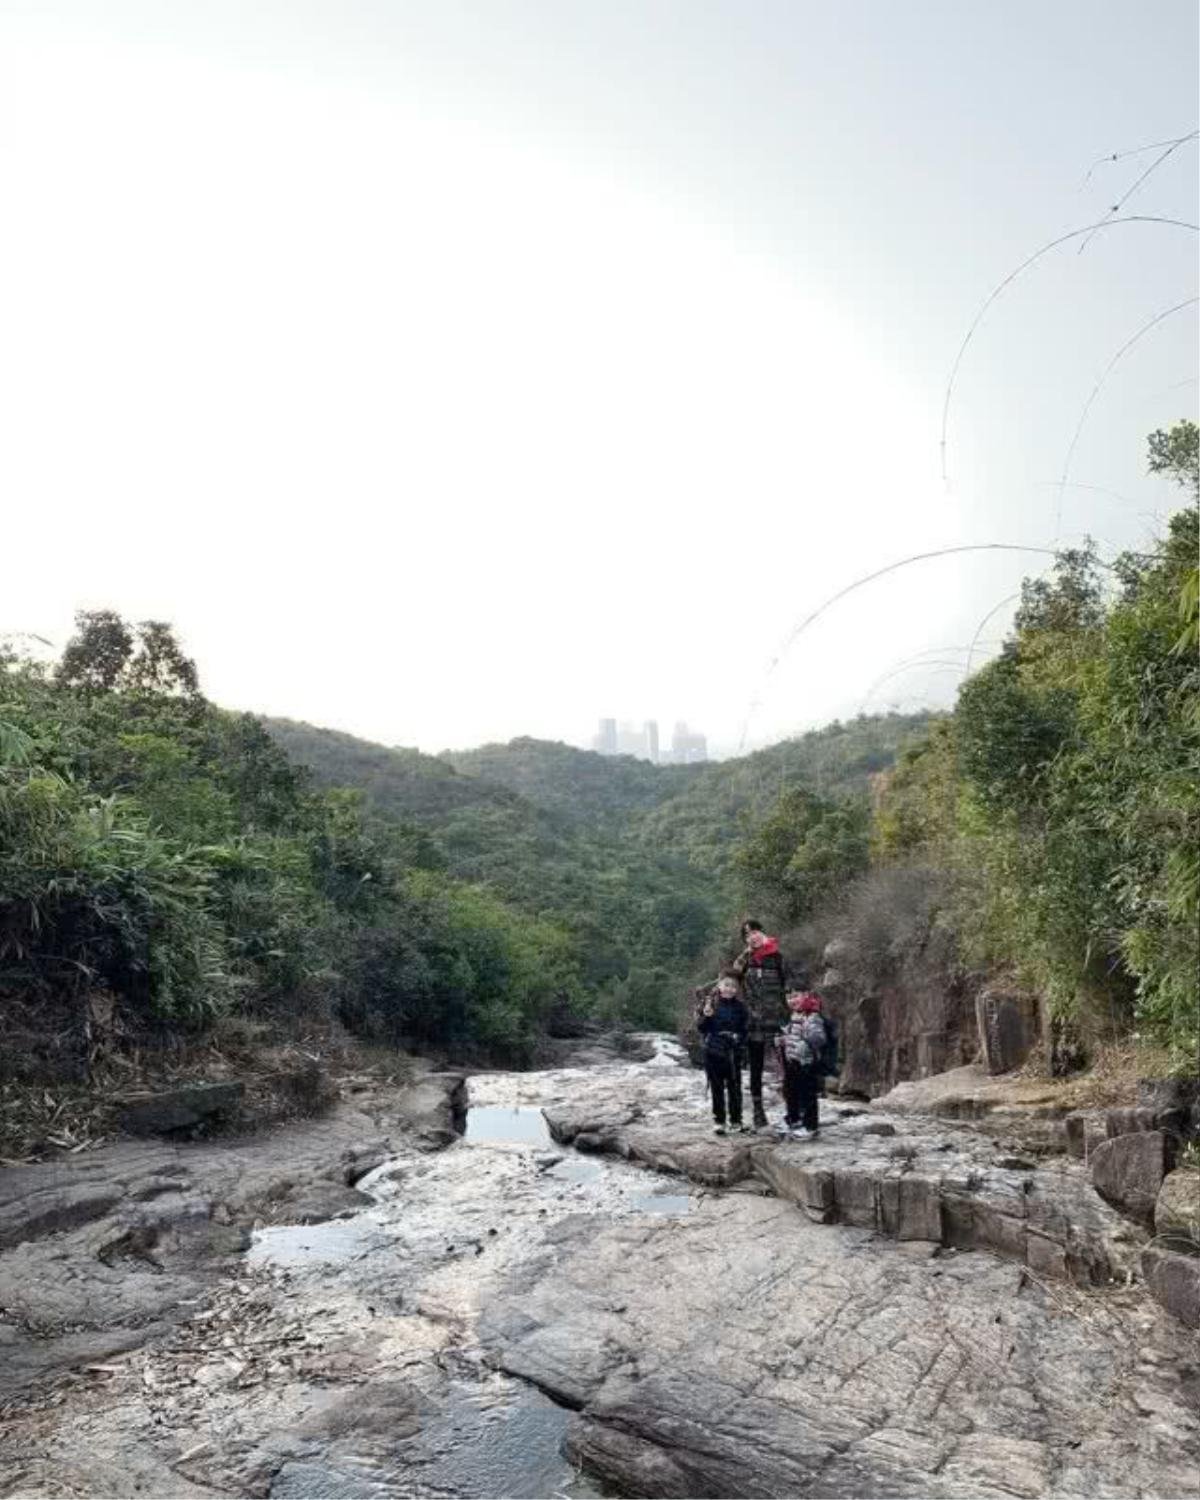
[764, 950]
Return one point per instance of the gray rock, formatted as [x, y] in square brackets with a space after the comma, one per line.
[1173, 1280]
[1128, 1171]
[1177, 1210]
[848, 1369]
[1008, 1028]
[878, 1127]
[1128, 1121]
[1175, 1102]
[190, 1108]
[1085, 1129]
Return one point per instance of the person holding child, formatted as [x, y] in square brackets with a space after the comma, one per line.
[763, 973]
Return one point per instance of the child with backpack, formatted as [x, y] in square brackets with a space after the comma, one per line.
[802, 1045]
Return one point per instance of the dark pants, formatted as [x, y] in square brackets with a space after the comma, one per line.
[757, 1049]
[801, 1091]
[725, 1080]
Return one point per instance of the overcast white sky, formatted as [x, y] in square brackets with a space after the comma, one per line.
[449, 371]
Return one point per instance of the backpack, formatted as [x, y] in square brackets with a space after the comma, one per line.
[829, 1052]
[795, 1048]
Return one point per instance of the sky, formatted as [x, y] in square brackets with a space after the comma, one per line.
[446, 372]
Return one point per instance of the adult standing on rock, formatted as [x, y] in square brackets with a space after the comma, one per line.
[721, 1021]
[764, 984]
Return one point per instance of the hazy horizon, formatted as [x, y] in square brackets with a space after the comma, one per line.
[446, 373]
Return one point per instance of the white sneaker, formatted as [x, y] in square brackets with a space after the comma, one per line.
[783, 1128]
[800, 1134]
[718, 1130]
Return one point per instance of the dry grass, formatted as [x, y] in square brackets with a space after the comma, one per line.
[1112, 1079]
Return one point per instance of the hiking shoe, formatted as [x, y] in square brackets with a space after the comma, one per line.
[742, 1129]
[718, 1130]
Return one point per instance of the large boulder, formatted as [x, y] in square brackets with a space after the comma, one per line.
[1128, 1171]
[1008, 1022]
[1173, 1280]
[1177, 1210]
[194, 1107]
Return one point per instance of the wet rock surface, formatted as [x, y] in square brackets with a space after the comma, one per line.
[510, 1316]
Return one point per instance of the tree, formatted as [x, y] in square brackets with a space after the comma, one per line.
[1176, 453]
[106, 655]
[98, 654]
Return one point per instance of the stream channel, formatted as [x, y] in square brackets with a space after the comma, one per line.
[509, 1317]
[443, 1231]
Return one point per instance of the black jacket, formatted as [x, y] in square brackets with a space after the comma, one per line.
[725, 1030]
[764, 980]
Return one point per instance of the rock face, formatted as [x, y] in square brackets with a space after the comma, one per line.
[1008, 1024]
[1174, 1103]
[901, 1031]
[1129, 1170]
[1177, 1210]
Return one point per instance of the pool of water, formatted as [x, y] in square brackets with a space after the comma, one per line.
[335, 1242]
[661, 1203]
[577, 1170]
[524, 1124]
[502, 1439]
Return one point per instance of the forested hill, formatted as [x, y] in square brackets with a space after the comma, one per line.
[545, 792]
[638, 918]
[706, 821]
[637, 861]
[599, 790]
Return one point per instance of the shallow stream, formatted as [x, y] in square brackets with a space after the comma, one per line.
[454, 1223]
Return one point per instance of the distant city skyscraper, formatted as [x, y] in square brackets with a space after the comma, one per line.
[630, 741]
[688, 747]
[606, 741]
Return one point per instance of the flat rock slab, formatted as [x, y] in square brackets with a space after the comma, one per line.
[103, 1251]
[908, 1178]
[847, 1368]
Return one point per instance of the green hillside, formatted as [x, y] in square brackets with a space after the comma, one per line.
[704, 823]
[580, 785]
[639, 917]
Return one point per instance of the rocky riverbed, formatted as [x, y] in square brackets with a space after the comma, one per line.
[584, 1294]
